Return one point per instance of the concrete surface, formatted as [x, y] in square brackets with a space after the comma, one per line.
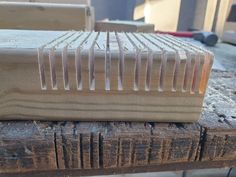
[225, 54]
[219, 172]
[159, 174]
[207, 173]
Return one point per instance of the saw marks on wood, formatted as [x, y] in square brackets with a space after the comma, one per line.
[172, 64]
[102, 76]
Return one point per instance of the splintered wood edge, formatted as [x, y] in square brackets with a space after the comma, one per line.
[136, 45]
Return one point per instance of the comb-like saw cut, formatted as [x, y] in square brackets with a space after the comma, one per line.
[76, 75]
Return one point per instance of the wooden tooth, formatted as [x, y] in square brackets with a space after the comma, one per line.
[52, 62]
[139, 49]
[142, 62]
[77, 63]
[156, 51]
[129, 62]
[99, 62]
[113, 61]
[44, 70]
[41, 69]
[167, 66]
[66, 59]
[108, 64]
[121, 63]
[87, 62]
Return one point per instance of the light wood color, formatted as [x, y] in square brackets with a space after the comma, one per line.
[101, 76]
[221, 24]
[221, 17]
[59, 149]
[204, 14]
[163, 14]
[124, 26]
[229, 26]
[210, 15]
[87, 2]
[45, 16]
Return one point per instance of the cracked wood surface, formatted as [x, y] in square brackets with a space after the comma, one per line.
[84, 148]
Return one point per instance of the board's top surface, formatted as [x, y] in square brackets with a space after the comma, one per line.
[127, 42]
[26, 39]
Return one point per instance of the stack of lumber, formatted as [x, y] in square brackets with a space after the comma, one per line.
[101, 76]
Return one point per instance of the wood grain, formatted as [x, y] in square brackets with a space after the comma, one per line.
[45, 16]
[124, 26]
[101, 76]
[87, 2]
[63, 148]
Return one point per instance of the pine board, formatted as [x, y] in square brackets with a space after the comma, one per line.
[45, 16]
[101, 76]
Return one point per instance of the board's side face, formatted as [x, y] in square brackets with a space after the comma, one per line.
[105, 76]
[119, 60]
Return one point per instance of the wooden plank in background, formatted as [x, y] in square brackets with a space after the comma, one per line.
[55, 1]
[124, 26]
[204, 14]
[45, 16]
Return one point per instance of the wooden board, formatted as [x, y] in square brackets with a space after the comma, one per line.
[46, 16]
[221, 24]
[124, 26]
[55, 1]
[156, 12]
[44, 148]
[101, 76]
[204, 14]
[229, 37]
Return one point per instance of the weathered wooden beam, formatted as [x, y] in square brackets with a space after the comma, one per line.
[25, 146]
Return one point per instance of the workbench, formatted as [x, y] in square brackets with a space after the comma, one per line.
[45, 149]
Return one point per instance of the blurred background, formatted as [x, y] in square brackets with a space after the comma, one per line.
[166, 15]
[169, 15]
